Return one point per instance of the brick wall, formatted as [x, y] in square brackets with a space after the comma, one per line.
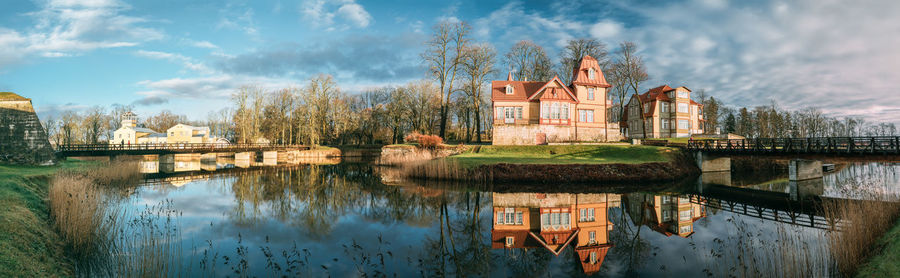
[22, 138]
[526, 134]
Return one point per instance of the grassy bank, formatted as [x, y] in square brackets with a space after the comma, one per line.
[29, 245]
[563, 154]
[887, 263]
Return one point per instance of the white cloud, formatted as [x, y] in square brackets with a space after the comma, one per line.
[68, 27]
[185, 61]
[204, 44]
[322, 13]
[606, 29]
[799, 54]
[355, 13]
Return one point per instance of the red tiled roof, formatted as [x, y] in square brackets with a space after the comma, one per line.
[522, 90]
[580, 74]
[555, 93]
[521, 239]
[584, 255]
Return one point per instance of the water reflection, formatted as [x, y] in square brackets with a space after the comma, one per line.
[355, 219]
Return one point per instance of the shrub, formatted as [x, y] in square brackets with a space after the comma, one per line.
[430, 141]
[425, 141]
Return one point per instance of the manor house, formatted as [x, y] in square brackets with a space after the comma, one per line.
[539, 112]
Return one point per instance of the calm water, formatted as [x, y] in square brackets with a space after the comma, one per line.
[356, 219]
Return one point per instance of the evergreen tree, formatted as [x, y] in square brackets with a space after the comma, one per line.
[730, 123]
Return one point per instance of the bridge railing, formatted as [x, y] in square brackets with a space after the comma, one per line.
[848, 145]
[165, 146]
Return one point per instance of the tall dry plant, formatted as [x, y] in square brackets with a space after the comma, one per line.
[863, 222]
[76, 208]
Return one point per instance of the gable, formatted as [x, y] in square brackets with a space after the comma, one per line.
[554, 90]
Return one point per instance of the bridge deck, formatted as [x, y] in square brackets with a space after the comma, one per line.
[835, 146]
[146, 149]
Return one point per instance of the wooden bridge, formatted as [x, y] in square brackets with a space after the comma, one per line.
[161, 149]
[831, 146]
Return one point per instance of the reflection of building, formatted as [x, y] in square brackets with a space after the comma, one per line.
[554, 221]
[668, 215]
[667, 112]
[130, 133]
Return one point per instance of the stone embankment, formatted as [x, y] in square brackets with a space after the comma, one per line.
[396, 155]
[23, 139]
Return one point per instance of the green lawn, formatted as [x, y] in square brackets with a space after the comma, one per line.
[28, 244]
[886, 264]
[563, 154]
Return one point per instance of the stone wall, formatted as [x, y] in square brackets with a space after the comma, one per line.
[526, 134]
[22, 137]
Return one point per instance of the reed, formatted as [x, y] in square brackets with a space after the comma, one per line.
[864, 220]
[445, 169]
[76, 209]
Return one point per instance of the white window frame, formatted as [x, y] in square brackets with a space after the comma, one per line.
[510, 90]
[545, 110]
[684, 215]
[682, 230]
[683, 107]
[510, 241]
[519, 113]
[593, 257]
[590, 93]
[665, 124]
[682, 94]
[591, 74]
[665, 107]
[592, 237]
[564, 111]
[684, 124]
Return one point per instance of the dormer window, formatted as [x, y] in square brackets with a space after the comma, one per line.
[591, 73]
[510, 241]
[509, 89]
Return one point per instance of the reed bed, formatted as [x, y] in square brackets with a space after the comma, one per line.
[864, 220]
[445, 169]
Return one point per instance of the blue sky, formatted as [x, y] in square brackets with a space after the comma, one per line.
[189, 56]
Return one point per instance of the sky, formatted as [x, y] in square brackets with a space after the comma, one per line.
[842, 57]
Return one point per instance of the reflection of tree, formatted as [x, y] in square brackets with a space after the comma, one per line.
[460, 248]
[524, 262]
[630, 247]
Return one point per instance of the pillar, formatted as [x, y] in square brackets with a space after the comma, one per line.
[802, 169]
[711, 163]
[270, 157]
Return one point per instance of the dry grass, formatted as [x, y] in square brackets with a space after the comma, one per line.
[864, 222]
[444, 169]
[79, 203]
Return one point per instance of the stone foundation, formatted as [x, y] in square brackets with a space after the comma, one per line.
[22, 137]
[527, 134]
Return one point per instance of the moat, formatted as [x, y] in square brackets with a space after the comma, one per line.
[347, 219]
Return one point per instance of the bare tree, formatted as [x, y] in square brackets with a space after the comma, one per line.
[92, 124]
[443, 57]
[478, 64]
[529, 61]
[575, 50]
[632, 72]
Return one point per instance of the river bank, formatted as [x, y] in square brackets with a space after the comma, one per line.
[29, 245]
[543, 164]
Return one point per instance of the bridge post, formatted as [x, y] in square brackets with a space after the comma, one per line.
[244, 159]
[799, 190]
[270, 157]
[802, 169]
[711, 163]
[208, 157]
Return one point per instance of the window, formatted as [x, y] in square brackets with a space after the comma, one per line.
[685, 229]
[666, 216]
[586, 116]
[684, 215]
[646, 107]
[545, 219]
[593, 257]
[564, 114]
[683, 200]
[684, 124]
[591, 73]
[510, 241]
[665, 123]
[518, 112]
[509, 89]
[583, 215]
[592, 237]
[665, 107]
[545, 110]
[519, 218]
[682, 107]
[591, 93]
[499, 217]
[554, 111]
[591, 214]
[682, 94]
[510, 114]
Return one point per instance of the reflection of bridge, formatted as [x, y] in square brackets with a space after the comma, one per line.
[162, 149]
[187, 176]
[832, 146]
[802, 205]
